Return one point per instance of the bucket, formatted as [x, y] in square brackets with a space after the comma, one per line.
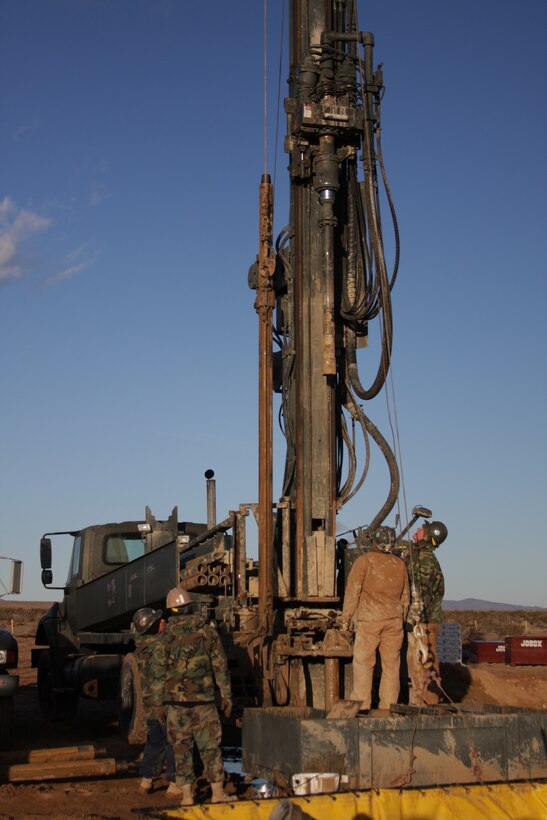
[315, 782]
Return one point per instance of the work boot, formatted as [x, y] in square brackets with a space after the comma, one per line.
[145, 786]
[187, 795]
[219, 795]
[173, 790]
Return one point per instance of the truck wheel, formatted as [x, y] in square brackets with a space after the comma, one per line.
[54, 705]
[130, 705]
[6, 714]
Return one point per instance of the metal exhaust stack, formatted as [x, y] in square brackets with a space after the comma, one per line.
[211, 499]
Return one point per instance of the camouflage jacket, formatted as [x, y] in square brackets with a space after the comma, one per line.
[190, 658]
[427, 577]
[377, 588]
[150, 680]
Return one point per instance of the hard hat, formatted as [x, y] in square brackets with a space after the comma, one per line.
[435, 532]
[178, 597]
[384, 538]
[145, 618]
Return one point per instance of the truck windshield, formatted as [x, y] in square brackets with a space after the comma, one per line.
[119, 548]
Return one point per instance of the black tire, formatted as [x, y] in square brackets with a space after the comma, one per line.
[130, 706]
[55, 705]
[6, 714]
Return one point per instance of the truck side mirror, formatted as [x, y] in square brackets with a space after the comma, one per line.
[45, 554]
[16, 577]
[47, 577]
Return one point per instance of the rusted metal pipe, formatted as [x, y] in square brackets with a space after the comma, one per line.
[299, 421]
[265, 301]
[326, 185]
[211, 499]
[241, 553]
[332, 682]
[227, 524]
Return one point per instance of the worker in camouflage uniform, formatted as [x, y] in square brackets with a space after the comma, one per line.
[377, 598]
[147, 625]
[190, 658]
[425, 614]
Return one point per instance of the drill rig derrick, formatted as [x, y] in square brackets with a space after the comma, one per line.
[328, 282]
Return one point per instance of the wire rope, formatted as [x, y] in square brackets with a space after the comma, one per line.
[278, 111]
[265, 85]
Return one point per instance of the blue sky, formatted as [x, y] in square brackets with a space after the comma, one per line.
[131, 151]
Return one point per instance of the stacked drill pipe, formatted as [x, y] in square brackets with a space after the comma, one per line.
[206, 572]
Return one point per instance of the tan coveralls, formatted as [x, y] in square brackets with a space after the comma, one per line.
[377, 598]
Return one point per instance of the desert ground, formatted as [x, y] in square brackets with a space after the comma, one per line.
[116, 796]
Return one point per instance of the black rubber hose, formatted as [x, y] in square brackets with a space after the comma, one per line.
[357, 412]
[391, 207]
[352, 468]
[383, 367]
[389, 456]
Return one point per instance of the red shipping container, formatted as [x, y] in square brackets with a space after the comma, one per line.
[521, 650]
[487, 652]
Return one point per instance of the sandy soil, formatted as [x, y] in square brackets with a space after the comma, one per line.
[116, 796]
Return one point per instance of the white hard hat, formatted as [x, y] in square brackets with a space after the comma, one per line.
[177, 597]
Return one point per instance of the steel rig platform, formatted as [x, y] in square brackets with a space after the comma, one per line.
[408, 747]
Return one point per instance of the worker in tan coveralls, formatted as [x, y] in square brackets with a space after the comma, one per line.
[377, 598]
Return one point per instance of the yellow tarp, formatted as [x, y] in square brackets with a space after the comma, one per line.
[520, 801]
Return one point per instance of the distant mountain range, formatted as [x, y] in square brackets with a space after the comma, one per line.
[478, 604]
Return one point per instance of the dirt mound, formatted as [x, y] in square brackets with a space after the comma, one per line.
[509, 686]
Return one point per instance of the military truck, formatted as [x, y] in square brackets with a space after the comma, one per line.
[9, 655]
[84, 642]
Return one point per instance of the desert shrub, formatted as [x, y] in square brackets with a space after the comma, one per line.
[497, 624]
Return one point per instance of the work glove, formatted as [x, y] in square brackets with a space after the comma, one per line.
[226, 707]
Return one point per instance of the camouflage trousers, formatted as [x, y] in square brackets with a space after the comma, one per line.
[200, 724]
[387, 637]
[423, 689]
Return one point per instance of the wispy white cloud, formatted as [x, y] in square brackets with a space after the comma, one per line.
[74, 262]
[99, 194]
[24, 129]
[66, 273]
[17, 226]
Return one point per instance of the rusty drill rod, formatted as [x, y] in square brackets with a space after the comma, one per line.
[265, 303]
[62, 769]
[84, 752]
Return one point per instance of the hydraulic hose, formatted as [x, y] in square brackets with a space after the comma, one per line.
[387, 452]
[390, 203]
[353, 372]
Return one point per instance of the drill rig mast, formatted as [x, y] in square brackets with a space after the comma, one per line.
[316, 296]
